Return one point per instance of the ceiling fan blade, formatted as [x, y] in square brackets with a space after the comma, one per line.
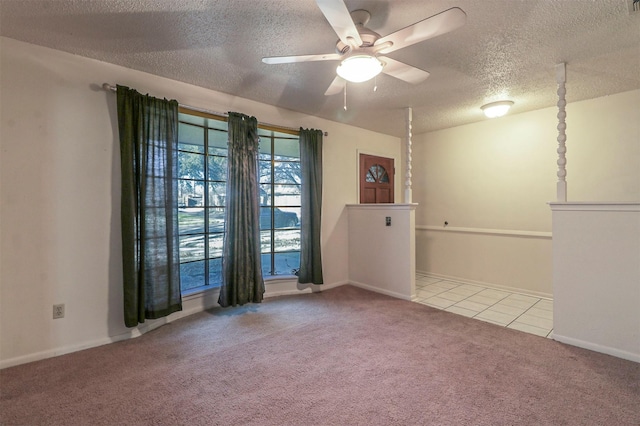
[428, 28]
[339, 18]
[302, 58]
[336, 86]
[403, 71]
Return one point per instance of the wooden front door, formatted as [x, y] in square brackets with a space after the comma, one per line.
[376, 179]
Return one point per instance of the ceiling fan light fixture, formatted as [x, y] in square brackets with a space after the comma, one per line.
[496, 109]
[359, 68]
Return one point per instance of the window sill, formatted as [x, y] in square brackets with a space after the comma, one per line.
[277, 279]
[197, 292]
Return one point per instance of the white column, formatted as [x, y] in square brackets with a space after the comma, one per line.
[407, 181]
[561, 78]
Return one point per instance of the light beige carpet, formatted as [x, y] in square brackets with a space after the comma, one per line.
[343, 356]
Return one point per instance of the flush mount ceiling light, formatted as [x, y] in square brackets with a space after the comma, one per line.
[359, 68]
[496, 109]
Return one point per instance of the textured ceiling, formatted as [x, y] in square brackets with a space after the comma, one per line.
[507, 49]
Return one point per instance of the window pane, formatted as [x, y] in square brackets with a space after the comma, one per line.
[204, 121]
[264, 133]
[287, 263]
[265, 171]
[286, 217]
[217, 193]
[286, 149]
[197, 237]
[266, 264]
[288, 240]
[286, 172]
[191, 221]
[194, 119]
[217, 168]
[215, 245]
[191, 247]
[264, 149]
[265, 217]
[287, 195]
[265, 194]
[218, 141]
[190, 138]
[183, 147]
[265, 241]
[216, 220]
[215, 272]
[190, 166]
[191, 275]
[377, 173]
[190, 193]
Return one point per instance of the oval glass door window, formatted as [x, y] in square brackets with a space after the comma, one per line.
[376, 179]
[377, 174]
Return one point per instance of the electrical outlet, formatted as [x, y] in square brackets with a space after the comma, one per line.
[58, 311]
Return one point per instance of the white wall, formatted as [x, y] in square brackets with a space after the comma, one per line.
[59, 217]
[381, 257]
[492, 181]
[596, 277]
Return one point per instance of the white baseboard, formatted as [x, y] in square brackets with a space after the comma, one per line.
[332, 285]
[518, 290]
[381, 290]
[63, 350]
[618, 353]
[192, 304]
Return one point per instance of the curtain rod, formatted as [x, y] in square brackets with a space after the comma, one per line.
[110, 88]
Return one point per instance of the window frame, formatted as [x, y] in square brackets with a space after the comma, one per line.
[274, 135]
[266, 133]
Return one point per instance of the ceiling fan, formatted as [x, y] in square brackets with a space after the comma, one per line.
[361, 50]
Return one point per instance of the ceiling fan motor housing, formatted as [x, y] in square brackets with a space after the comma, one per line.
[359, 45]
[360, 18]
[368, 39]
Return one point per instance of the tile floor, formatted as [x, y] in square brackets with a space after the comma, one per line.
[512, 310]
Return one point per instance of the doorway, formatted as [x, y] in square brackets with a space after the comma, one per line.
[376, 179]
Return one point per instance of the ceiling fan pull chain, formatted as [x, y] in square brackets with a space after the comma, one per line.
[375, 83]
[345, 96]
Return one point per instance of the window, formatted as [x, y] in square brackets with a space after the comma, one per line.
[377, 173]
[279, 202]
[202, 178]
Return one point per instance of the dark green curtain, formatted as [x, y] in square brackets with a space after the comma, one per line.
[311, 212]
[149, 159]
[242, 280]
